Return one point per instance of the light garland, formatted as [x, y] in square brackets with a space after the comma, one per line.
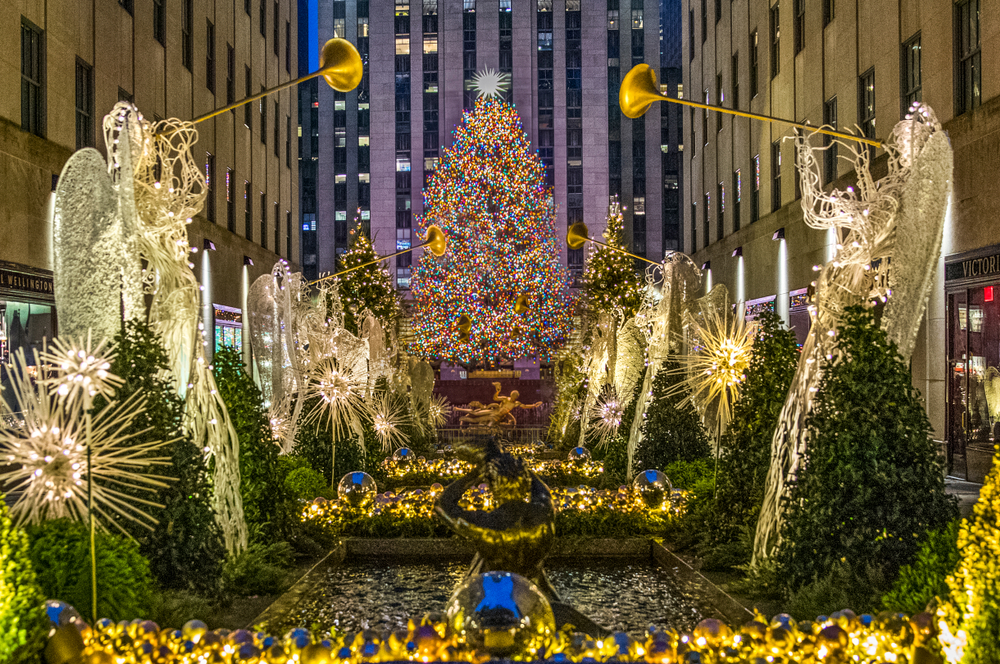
[445, 470]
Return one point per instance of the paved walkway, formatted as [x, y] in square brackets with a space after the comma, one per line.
[966, 492]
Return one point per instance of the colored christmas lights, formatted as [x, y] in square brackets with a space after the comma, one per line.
[366, 288]
[489, 197]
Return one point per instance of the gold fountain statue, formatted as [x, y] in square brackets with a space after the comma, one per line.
[496, 414]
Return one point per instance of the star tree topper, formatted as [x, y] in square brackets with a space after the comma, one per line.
[491, 83]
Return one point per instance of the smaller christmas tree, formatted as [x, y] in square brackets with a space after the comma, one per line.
[672, 430]
[610, 279]
[365, 288]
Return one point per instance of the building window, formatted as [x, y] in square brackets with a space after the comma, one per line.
[230, 75]
[277, 229]
[754, 54]
[187, 27]
[735, 83]
[263, 118]
[704, 220]
[230, 201]
[720, 210]
[210, 186]
[718, 10]
[866, 103]
[776, 175]
[248, 213]
[160, 21]
[210, 57]
[755, 190]
[32, 79]
[288, 141]
[694, 137]
[775, 40]
[288, 234]
[910, 69]
[277, 132]
[263, 18]
[830, 154]
[828, 11]
[737, 193]
[718, 99]
[274, 39]
[691, 34]
[288, 47]
[968, 78]
[84, 105]
[248, 108]
[704, 20]
[246, 7]
[799, 25]
[694, 227]
[263, 220]
[126, 5]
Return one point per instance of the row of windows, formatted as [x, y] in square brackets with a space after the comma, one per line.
[968, 65]
[248, 229]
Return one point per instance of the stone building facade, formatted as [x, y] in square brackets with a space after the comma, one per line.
[64, 66]
[851, 63]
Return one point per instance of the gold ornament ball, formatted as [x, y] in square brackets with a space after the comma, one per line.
[357, 489]
[578, 455]
[501, 613]
[715, 632]
[403, 456]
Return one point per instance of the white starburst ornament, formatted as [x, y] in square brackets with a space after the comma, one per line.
[491, 83]
[47, 454]
[439, 410]
[606, 416]
[83, 369]
[388, 419]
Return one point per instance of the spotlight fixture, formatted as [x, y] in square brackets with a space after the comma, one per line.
[738, 251]
[247, 260]
[707, 265]
[779, 234]
[208, 245]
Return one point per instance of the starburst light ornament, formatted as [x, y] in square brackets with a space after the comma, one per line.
[338, 390]
[388, 417]
[83, 369]
[491, 83]
[716, 366]
[606, 416]
[47, 454]
[439, 410]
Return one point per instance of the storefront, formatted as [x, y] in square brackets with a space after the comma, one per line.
[27, 310]
[228, 327]
[972, 288]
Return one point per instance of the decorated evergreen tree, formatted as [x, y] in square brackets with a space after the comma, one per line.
[672, 430]
[610, 279]
[185, 548]
[871, 483]
[746, 446]
[369, 287]
[489, 197]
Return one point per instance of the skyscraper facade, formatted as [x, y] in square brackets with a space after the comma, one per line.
[378, 145]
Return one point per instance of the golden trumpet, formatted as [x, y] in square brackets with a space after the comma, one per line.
[340, 66]
[464, 327]
[577, 235]
[639, 90]
[522, 306]
[435, 240]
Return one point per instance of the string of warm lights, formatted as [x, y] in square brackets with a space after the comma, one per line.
[445, 470]
[489, 197]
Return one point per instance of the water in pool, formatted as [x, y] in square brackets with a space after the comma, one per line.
[382, 594]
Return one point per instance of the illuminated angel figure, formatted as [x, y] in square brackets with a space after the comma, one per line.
[494, 414]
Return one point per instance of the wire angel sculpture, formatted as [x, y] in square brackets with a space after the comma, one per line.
[135, 207]
[872, 220]
[669, 286]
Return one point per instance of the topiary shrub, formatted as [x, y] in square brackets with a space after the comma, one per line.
[265, 500]
[185, 548]
[22, 619]
[672, 430]
[746, 446]
[305, 483]
[60, 551]
[926, 577]
[870, 484]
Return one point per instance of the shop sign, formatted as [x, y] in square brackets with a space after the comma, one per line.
[971, 268]
[25, 283]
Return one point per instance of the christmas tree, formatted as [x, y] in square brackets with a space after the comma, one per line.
[610, 279]
[489, 197]
[365, 288]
